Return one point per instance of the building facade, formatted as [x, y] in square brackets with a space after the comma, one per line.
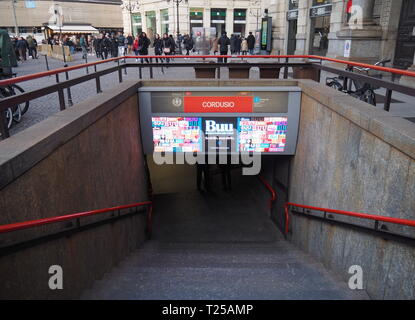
[239, 17]
[31, 17]
[359, 30]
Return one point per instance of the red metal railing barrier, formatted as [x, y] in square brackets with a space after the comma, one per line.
[270, 189]
[399, 221]
[39, 222]
[85, 65]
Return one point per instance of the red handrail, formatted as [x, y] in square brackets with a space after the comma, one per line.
[404, 222]
[270, 189]
[80, 66]
[39, 222]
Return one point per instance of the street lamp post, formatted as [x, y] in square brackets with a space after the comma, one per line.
[177, 2]
[130, 6]
[16, 27]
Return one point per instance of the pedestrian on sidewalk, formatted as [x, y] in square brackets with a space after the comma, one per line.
[21, 46]
[168, 44]
[143, 44]
[158, 47]
[244, 47]
[84, 45]
[223, 43]
[251, 43]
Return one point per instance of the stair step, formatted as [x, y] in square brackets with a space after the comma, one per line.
[279, 281]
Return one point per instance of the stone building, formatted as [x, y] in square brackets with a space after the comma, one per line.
[160, 16]
[79, 16]
[373, 29]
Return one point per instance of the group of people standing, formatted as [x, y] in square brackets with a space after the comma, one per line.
[236, 43]
[25, 47]
[107, 45]
[165, 45]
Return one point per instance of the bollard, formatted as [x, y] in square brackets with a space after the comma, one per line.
[86, 61]
[68, 90]
[61, 95]
[47, 62]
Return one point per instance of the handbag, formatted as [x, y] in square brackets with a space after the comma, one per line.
[166, 50]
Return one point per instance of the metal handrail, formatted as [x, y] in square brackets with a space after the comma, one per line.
[66, 69]
[287, 205]
[403, 222]
[270, 189]
[40, 222]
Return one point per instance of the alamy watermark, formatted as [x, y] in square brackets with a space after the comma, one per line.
[220, 149]
[356, 280]
[56, 279]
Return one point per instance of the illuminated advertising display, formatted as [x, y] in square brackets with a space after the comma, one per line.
[177, 134]
[262, 134]
[220, 134]
[214, 120]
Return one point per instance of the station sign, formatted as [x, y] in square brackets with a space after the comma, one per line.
[321, 11]
[292, 14]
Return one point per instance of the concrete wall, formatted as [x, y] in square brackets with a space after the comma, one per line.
[86, 157]
[353, 157]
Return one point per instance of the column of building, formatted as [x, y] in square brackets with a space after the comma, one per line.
[302, 28]
[206, 18]
[360, 38]
[127, 21]
[280, 27]
[158, 23]
[229, 21]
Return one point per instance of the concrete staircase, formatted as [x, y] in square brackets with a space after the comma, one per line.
[220, 245]
[220, 271]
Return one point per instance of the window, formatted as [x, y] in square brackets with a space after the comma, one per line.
[239, 14]
[164, 16]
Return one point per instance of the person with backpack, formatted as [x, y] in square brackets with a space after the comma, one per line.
[223, 43]
[32, 46]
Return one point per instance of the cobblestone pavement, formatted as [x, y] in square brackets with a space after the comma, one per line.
[43, 107]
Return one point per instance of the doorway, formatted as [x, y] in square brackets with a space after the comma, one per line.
[292, 33]
[320, 29]
[405, 47]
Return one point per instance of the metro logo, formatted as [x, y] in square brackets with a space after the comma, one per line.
[239, 104]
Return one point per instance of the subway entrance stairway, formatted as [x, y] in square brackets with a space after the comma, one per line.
[216, 245]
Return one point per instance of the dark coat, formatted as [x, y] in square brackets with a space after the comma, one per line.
[188, 43]
[158, 46]
[169, 43]
[251, 41]
[143, 44]
[223, 43]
